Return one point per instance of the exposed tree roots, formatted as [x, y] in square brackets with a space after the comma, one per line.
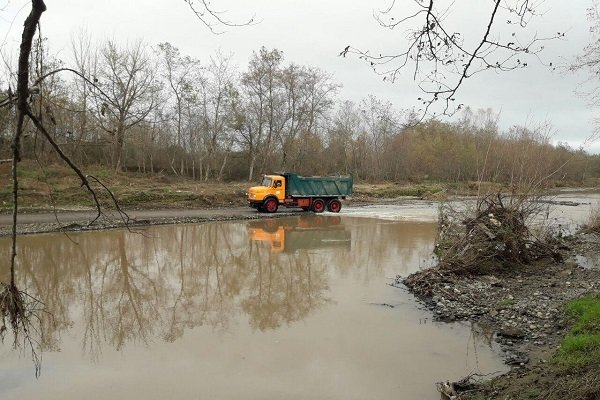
[20, 314]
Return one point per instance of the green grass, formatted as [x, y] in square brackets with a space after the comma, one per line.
[581, 347]
[506, 302]
[33, 171]
[532, 393]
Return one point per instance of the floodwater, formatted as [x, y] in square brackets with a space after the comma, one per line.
[290, 308]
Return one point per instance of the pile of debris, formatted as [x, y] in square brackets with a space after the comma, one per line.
[499, 231]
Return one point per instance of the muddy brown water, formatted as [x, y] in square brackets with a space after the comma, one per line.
[289, 308]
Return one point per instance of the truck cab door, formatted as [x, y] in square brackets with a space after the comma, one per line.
[279, 188]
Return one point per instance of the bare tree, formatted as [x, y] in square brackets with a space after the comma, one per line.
[381, 121]
[177, 70]
[309, 96]
[125, 99]
[18, 309]
[178, 73]
[85, 58]
[345, 128]
[217, 92]
[263, 100]
[126, 77]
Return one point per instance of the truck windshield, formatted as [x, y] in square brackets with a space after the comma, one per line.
[266, 181]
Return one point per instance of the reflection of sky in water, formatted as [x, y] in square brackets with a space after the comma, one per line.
[421, 211]
[291, 308]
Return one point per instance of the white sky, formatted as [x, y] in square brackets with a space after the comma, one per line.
[313, 32]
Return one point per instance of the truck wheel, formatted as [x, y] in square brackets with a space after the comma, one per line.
[271, 205]
[334, 206]
[318, 206]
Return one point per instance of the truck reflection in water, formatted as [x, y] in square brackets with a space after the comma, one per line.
[307, 232]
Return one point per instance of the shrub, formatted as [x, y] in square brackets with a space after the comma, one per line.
[593, 224]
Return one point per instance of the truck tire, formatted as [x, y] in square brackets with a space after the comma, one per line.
[318, 205]
[270, 205]
[334, 206]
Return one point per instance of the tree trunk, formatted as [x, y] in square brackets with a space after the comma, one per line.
[222, 169]
[251, 169]
[37, 8]
[119, 147]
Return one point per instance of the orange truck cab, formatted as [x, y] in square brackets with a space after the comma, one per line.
[315, 193]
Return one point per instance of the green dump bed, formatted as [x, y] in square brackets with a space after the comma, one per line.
[321, 186]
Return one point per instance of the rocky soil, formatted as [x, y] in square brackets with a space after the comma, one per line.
[522, 305]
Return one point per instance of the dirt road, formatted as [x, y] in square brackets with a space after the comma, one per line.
[79, 220]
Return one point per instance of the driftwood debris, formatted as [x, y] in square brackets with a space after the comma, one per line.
[499, 231]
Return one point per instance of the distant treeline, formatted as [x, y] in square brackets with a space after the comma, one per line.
[152, 109]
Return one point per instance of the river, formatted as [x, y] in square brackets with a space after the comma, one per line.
[297, 308]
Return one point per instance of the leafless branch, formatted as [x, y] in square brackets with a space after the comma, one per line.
[71, 164]
[442, 59]
[124, 216]
[212, 18]
[79, 74]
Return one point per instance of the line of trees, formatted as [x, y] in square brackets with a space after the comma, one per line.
[152, 109]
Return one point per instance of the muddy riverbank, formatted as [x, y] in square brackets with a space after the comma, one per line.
[522, 308]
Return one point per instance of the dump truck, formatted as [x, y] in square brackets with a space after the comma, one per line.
[315, 193]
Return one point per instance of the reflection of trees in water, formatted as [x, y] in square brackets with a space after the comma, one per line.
[206, 267]
[128, 287]
[119, 287]
[130, 296]
[285, 287]
[376, 243]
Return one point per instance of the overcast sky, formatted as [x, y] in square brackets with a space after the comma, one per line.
[313, 32]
